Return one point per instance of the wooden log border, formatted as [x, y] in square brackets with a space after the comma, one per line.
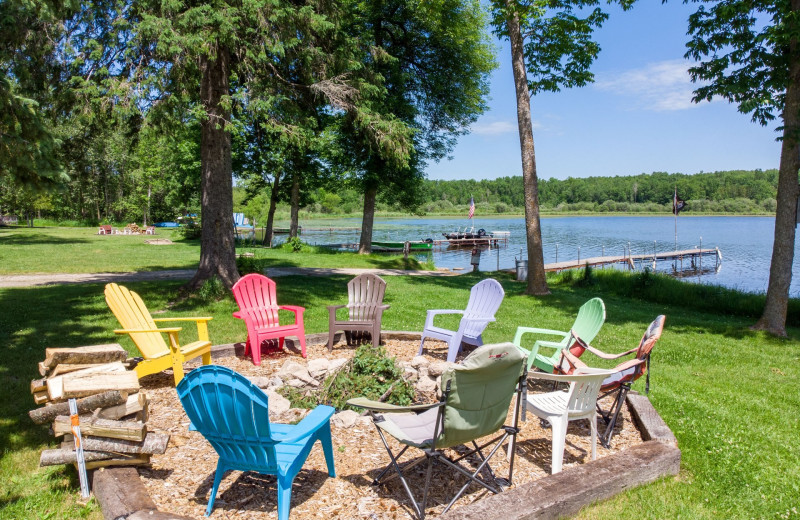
[121, 493]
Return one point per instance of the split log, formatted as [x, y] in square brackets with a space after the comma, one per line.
[79, 384]
[81, 355]
[38, 385]
[56, 457]
[40, 397]
[154, 443]
[86, 405]
[42, 369]
[55, 385]
[127, 430]
[119, 460]
[66, 368]
[135, 403]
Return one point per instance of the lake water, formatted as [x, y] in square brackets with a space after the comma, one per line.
[745, 242]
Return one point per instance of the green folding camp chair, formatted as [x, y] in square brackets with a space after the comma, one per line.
[590, 319]
[474, 404]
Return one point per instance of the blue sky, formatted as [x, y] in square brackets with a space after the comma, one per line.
[636, 118]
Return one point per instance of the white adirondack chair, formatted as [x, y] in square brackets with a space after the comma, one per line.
[364, 309]
[484, 300]
[563, 406]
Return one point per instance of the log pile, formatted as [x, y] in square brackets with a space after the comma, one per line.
[111, 409]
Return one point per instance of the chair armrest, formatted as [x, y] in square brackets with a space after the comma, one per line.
[202, 318]
[432, 313]
[583, 371]
[534, 330]
[168, 330]
[312, 422]
[336, 307]
[571, 360]
[601, 354]
[238, 314]
[378, 406]
[296, 309]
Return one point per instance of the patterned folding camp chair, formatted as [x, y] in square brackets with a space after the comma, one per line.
[233, 415]
[484, 299]
[475, 401]
[623, 375]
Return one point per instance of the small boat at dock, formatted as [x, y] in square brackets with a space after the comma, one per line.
[395, 246]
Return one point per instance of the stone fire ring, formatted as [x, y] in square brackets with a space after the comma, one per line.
[122, 495]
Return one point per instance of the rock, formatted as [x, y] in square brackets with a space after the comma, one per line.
[336, 364]
[278, 404]
[296, 383]
[289, 368]
[409, 374]
[345, 419]
[318, 367]
[260, 381]
[419, 361]
[437, 368]
[426, 385]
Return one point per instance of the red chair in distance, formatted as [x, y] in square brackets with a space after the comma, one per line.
[258, 307]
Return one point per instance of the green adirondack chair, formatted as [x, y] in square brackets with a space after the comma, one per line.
[590, 319]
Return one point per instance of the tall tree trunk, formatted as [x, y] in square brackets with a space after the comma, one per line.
[773, 320]
[147, 207]
[273, 203]
[217, 248]
[295, 212]
[537, 281]
[368, 218]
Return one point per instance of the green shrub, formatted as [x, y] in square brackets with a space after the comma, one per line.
[370, 373]
[294, 245]
[248, 264]
[191, 230]
[212, 290]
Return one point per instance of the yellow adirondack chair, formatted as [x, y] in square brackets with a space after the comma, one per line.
[133, 315]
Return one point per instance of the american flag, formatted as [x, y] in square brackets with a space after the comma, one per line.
[677, 204]
[471, 207]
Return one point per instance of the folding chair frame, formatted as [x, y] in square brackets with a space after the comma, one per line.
[610, 416]
[437, 455]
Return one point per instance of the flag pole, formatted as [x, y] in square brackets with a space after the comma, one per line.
[675, 212]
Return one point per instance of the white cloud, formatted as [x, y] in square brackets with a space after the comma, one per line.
[494, 128]
[661, 86]
[499, 128]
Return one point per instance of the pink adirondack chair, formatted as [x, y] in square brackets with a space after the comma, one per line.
[258, 307]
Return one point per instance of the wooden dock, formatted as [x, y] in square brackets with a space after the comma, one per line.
[694, 257]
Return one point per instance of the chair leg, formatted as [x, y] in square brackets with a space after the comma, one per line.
[302, 337]
[284, 496]
[330, 339]
[559, 440]
[324, 436]
[421, 344]
[605, 440]
[217, 480]
[453, 348]
[593, 425]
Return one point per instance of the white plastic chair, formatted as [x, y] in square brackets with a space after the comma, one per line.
[560, 407]
[484, 300]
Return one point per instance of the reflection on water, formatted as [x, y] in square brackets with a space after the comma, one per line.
[745, 242]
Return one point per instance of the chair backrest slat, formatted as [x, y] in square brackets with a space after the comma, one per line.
[589, 321]
[132, 313]
[365, 293]
[255, 294]
[485, 298]
[231, 412]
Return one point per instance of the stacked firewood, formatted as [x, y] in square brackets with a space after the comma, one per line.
[133, 229]
[112, 411]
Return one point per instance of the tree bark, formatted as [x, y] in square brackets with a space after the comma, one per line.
[217, 247]
[295, 213]
[773, 319]
[273, 203]
[368, 218]
[85, 405]
[537, 280]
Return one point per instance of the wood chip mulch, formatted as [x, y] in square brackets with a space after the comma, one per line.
[179, 481]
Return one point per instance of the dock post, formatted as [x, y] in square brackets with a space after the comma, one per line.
[556, 252]
[579, 255]
[701, 255]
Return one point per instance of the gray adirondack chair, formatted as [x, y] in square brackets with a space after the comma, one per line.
[364, 308]
[484, 300]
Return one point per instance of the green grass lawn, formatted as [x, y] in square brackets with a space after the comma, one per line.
[81, 250]
[730, 395]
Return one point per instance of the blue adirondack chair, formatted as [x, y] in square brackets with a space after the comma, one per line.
[485, 298]
[232, 414]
